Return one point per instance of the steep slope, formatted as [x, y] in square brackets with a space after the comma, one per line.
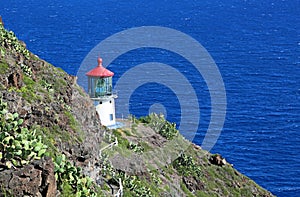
[147, 157]
[153, 159]
[48, 101]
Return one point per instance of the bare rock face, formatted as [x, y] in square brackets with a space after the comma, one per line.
[193, 184]
[15, 79]
[36, 179]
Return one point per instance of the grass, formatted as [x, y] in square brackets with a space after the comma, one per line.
[122, 147]
[54, 135]
[80, 90]
[3, 67]
[59, 84]
[28, 82]
[28, 94]
[200, 193]
[2, 87]
[146, 146]
[74, 126]
[122, 142]
[126, 132]
[186, 190]
[29, 90]
[217, 180]
[66, 190]
[2, 51]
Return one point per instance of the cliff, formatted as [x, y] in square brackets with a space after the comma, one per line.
[52, 143]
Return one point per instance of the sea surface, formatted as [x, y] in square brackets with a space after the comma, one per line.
[255, 44]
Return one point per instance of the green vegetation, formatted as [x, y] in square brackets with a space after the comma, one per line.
[26, 69]
[204, 179]
[5, 192]
[123, 143]
[18, 145]
[48, 138]
[74, 126]
[159, 124]
[46, 85]
[187, 166]
[2, 51]
[137, 148]
[28, 90]
[9, 40]
[70, 179]
[3, 67]
[133, 185]
[186, 190]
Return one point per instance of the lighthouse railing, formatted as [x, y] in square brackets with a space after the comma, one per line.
[114, 94]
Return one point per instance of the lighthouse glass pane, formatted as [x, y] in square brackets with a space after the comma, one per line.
[108, 85]
[92, 87]
[101, 87]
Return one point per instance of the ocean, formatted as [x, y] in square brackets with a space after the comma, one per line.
[255, 45]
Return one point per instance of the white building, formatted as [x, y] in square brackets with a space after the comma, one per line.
[100, 91]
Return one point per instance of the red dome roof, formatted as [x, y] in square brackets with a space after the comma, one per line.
[100, 71]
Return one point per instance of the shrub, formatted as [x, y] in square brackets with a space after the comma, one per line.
[137, 148]
[70, 179]
[186, 166]
[18, 145]
[9, 39]
[159, 124]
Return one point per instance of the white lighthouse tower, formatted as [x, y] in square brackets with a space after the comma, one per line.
[100, 91]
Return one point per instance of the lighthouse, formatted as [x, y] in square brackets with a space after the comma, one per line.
[100, 91]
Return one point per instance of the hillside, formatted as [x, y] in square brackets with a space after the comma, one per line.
[52, 143]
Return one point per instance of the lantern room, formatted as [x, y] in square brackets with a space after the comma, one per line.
[99, 81]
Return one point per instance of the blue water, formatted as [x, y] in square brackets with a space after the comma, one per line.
[256, 45]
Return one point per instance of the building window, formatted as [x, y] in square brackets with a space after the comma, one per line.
[111, 117]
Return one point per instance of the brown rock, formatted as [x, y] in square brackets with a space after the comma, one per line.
[217, 160]
[193, 184]
[1, 21]
[36, 179]
[15, 79]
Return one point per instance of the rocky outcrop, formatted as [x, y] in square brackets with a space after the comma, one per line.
[193, 184]
[35, 179]
[217, 160]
